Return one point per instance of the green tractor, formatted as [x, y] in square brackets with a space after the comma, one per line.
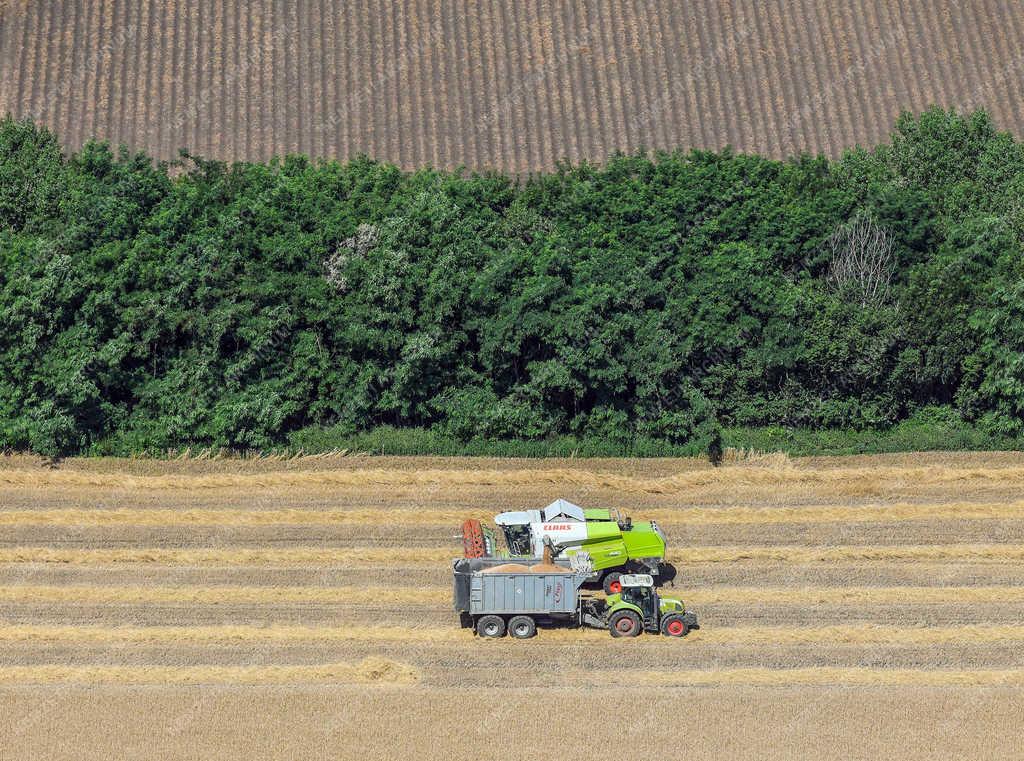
[638, 607]
[615, 544]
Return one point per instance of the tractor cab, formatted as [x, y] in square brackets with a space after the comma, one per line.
[638, 589]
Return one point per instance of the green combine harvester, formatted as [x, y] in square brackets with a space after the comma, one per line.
[614, 543]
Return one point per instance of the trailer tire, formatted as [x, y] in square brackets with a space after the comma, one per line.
[674, 626]
[611, 583]
[522, 627]
[624, 623]
[491, 627]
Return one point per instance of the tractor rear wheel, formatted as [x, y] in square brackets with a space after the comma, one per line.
[522, 627]
[491, 626]
[674, 626]
[612, 585]
[624, 623]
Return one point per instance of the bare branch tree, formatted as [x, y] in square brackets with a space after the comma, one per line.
[863, 258]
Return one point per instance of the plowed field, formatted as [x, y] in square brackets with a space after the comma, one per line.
[850, 608]
[489, 84]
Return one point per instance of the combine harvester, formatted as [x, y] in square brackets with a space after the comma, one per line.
[494, 598]
[614, 543]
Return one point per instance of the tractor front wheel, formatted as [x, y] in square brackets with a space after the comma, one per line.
[612, 584]
[624, 623]
[674, 626]
[491, 626]
[522, 627]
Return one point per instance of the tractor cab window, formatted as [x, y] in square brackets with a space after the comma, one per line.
[518, 539]
[644, 598]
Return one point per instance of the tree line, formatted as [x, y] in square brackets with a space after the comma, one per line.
[147, 306]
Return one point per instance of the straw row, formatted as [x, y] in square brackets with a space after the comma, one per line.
[234, 518]
[369, 671]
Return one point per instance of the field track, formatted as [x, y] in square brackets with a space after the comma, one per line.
[898, 576]
[860, 634]
[435, 597]
[360, 557]
[488, 85]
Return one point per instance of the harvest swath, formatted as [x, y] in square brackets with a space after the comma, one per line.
[880, 590]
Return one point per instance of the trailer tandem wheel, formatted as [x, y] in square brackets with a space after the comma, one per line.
[522, 627]
[491, 626]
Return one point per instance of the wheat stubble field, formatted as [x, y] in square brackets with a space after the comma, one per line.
[850, 607]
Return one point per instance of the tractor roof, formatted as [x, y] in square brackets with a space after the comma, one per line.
[636, 580]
